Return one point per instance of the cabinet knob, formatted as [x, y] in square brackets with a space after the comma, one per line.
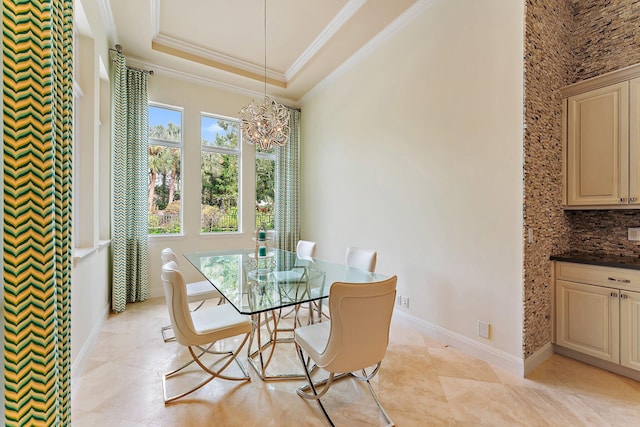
[624, 296]
[632, 199]
[613, 294]
[623, 199]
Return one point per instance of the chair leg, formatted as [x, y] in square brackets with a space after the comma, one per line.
[319, 310]
[366, 379]
[303, 391]
[315, 396]
[165, 337]
[212, 374]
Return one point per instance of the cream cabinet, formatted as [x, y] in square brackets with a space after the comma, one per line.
[597, 312]
[601, 141]
[588, 319]
[630, 329]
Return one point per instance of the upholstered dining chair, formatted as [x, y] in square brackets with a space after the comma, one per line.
[355, 258]
[197, 292]
[355, 338]
[296, 278]
[200, 330]
[360, 258]
[306, 249]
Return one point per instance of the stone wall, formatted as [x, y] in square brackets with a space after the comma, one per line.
[566, 41]
[606, 38]
[548, 65]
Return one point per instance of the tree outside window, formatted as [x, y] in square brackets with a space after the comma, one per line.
[265, 187]
[219, 160]
[165, 175]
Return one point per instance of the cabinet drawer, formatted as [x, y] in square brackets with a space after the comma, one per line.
[619, 278]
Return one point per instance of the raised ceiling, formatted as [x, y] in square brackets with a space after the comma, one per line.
[223, 41]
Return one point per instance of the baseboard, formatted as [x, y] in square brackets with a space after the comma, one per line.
[538, 358]
[599, 363]
[78, 365]
[489, 354]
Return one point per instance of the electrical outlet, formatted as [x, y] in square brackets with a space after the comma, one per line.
[633, 234]
[483, 329]
[405, 302]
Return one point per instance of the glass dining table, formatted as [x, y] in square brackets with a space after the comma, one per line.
[267, 286]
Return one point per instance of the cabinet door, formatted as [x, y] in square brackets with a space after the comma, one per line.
[587, 319]
[630, 329]
[598, 147]
[634, 141]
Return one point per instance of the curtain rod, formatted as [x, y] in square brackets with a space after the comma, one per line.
[118, 48]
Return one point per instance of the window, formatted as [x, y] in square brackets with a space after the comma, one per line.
[219, 160]
[165, 176]
[265, 184]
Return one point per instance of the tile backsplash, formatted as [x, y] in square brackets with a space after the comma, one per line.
[603, 231]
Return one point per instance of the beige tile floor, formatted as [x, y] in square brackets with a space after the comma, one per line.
[421, 383]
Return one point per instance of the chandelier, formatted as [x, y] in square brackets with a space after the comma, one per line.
[264, 122]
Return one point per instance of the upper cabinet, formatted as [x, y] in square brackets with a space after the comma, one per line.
[601, 142]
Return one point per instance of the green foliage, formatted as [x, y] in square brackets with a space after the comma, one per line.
[219, 173]
[266, 217]
[265, 180]
[213, 219]
[219, 179]
[172, 132]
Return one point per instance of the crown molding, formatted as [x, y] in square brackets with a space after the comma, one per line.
[610, 78]
[388, 32]
[325, 35]
[193, 50]
[204, 81]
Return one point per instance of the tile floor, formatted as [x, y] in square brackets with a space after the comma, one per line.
[421, 383]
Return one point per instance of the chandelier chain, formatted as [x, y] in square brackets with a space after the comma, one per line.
[265, 122]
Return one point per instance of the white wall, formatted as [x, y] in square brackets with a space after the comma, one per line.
[416, 151]
[195, 99]
[91, 274]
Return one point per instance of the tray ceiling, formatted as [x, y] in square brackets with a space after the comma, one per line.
[224, 41]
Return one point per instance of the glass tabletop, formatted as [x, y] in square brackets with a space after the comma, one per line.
[254, 283]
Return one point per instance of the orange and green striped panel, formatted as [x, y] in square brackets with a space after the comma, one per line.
[37, 128]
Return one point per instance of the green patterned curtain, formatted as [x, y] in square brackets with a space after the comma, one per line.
[287, 188]
[130, 169]
[37, 41]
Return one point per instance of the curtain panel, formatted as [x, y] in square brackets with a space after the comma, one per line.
[130, 147]
[37, 68]
[287, 188]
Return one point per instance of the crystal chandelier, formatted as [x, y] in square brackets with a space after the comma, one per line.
[264, 122]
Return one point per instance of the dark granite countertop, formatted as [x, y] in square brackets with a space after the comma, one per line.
[599, 259]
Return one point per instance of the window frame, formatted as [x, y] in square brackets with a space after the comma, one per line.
[226, 151]
[173, 144]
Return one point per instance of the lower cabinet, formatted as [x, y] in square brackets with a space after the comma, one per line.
[630, 329]
[596, 320]
[588, 319]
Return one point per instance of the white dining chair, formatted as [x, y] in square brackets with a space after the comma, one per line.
[355, 258]
[362, 259]
[197, 292]
[355, 338]
[306, 249]
[296, 278]
[200, 330]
